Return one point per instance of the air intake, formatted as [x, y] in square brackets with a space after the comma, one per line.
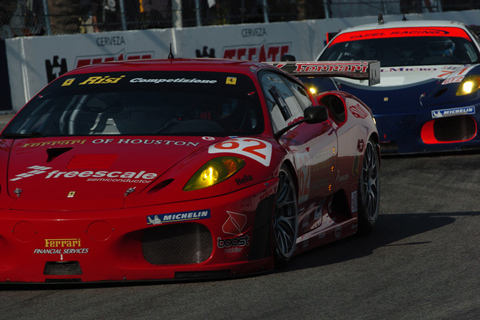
[182, 243]
[62, 268]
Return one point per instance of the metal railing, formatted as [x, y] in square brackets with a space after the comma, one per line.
[56, 17]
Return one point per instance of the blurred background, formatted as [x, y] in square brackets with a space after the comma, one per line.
[57, 17]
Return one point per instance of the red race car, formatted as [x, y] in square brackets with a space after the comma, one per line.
[182, 169]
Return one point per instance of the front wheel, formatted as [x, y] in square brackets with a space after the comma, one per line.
[285, 218]
[368, 191]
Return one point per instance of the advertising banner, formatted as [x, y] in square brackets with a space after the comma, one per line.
[35, 61]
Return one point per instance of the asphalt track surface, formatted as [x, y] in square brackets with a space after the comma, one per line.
[422, 262]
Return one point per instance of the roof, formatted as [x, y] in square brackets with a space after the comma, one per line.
[405, 24]
[175, 64]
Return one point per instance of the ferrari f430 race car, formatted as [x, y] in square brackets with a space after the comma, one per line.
[182, 169]
[428, 97]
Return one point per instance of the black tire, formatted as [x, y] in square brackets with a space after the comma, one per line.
[285, 218]
[368, 190]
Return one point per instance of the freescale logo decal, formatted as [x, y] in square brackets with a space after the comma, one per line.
[95, 176]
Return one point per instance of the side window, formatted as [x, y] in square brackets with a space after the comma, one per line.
[282, 103]
[301, 95]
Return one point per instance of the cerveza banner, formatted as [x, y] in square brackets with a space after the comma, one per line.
[5, 97]
[35, 61]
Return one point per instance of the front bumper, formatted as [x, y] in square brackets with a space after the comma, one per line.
[217, 237]
[420, 132]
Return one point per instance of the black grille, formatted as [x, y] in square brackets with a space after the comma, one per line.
[459, 128]
[183, 243]
[62, 268]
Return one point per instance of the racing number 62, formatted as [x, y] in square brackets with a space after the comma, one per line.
[256, 149]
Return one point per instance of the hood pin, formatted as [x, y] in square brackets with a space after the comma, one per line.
[18, 192]
[129, 190]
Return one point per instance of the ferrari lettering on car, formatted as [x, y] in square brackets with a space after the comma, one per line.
[347, 67]
[53, 143]
[56, 243]
[369, 70]
[182, 169]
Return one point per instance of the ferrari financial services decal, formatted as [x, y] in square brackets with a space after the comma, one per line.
[178, 216]
[452, 112]
[255, 149]
[62, 246]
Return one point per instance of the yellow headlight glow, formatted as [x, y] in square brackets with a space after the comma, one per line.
[469, 85]
[209, 176]
[213, 172]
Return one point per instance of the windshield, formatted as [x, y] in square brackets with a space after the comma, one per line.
[403, 51]
[142, 103]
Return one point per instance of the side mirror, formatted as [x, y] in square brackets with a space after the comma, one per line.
[315, 114]
[311, 115]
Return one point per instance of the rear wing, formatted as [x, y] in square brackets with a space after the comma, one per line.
[361, 70]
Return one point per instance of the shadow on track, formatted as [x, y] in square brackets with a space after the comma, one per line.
[390, 230]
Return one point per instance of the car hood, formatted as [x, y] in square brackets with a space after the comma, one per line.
[404, 76]
[406, 89]
[397, 76]
[88, 173]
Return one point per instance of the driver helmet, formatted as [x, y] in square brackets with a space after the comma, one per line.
[441, 47]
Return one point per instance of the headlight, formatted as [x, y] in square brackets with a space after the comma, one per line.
[213, 172]
[469, 85]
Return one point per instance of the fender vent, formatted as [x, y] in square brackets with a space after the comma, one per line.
[440, 92]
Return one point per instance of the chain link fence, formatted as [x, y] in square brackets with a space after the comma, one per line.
[57, 17]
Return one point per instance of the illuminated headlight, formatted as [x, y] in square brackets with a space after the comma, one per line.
[213, 172]
[313, 90]
[469, 85]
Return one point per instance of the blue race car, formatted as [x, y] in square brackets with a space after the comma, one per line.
[427, 99]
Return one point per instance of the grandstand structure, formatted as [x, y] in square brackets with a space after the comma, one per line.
[59, 17]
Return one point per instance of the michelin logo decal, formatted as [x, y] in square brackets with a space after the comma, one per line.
[179, 216]
[452, 112]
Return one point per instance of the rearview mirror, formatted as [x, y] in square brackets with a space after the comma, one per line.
[315, 114]
[311, 115]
